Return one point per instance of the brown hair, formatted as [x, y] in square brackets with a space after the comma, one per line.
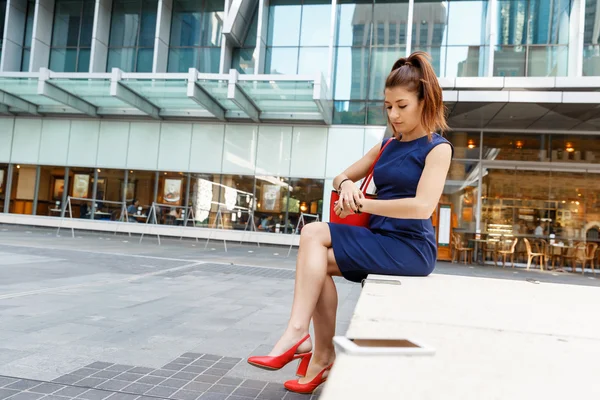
[416, 74]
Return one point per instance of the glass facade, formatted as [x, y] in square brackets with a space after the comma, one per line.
[72, 35]
[28, 34]
[532, 38]
[244, 57]
[132, 32]
[591, 47]
[195, 42]
[2, 18]
[298, 34]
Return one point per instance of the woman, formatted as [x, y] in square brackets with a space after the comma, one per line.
[410, 178]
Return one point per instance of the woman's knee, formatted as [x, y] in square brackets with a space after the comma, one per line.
[318, 231]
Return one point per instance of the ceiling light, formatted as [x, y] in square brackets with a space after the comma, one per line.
[519, 144]
[471, 144]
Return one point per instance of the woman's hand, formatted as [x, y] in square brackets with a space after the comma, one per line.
[341, 213]
[350, 197]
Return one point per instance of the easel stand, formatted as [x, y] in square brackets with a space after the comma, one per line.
[250, 226]
[69, 208]
[218, 218]
[151, 220]
[302, 221]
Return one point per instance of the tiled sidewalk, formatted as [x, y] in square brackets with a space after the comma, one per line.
[192, 376]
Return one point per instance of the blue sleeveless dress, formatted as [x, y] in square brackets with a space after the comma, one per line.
[391, 246]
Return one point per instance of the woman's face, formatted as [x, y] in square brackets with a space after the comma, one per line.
[403, 109]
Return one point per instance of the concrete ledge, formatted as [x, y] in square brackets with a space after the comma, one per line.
[494, 339]
[150, 229]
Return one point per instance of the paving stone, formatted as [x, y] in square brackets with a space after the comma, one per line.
[230, 381]
[106, 374]
[198, 386]
[67, 379]
[207, 379]
[161, 391]
[6, 381]
[275, 387]
[99, 365]
[137, 388]
[213, 396]
[231, 360]
[165, 373]
[94, 394]
[211, 357]
[84, 372]
[113, 385]
[120, 367]
[186, 395]
[233, 397]
[71, 391]
[27, 396]
[195, 369]
[252, 383]
[246, 391]
[296, 396]
[90, 382]
[224, 365]
[183, 360]
[221, 389]
[185, 375]
[203, 363]
[47, 388]
[271, 395]
[4, 393]
[174, 366]
[151, 380]
[192, 355]
[23, 384]
[123, 396]
[128, 376]
[174, 383]
[141, 370]
[215, 372]
[55, 397]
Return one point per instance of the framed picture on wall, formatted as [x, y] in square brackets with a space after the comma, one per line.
[172, 191]
[1, 181]
[59, 188]
[81, 186]
[271, 198]
[130, 192]
[101, 189]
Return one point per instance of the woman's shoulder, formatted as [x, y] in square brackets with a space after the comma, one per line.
[436, 140]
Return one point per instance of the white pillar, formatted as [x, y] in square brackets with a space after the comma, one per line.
[14, 34]
[226, 45]
[409, 25]
[163, 36]
[332, 42]
[576, 35]
[260, 53]
[491, 36]
[100, 36]
[41, 36]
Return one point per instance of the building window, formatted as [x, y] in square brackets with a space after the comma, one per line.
[298, 34]
[2, 18]
[28, 36]
[591, 47]
[72, 36]
[243, 57]
[532, 38]
[132, 32]
[196, 36]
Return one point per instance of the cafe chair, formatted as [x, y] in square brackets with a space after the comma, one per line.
[506, 253]
[531, 255]
[460, 248]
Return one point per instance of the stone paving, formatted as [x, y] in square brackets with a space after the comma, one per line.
[103, 315]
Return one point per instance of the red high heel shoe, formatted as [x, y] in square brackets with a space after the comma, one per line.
[306, 388]
[278, 362]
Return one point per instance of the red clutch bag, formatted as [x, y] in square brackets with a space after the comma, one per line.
[361, 219]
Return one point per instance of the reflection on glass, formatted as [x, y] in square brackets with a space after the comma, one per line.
[547, 61]
[509, 61]
[23, 188]
[3, 183]
[349, 112]
[282, 60]
[284, 23]
[591, 60]
[273, 207]
[430, 24]
[569, 196]
[390, 22]
[63, 60]
[548, 22]
[354, 23]
[351, 67]
[306, 196]
[591, 36]
[109, 195]
[51, 189]
[438, 58]
[472, 32]
[464, 61]
[316, 19]
[526, 147]
[574, 148]
[376, 113]
[204, 59]
[512, 22]
[243, 60]
[307, 60]
[461, 191]
[466, 144]
[81, 187]
[121, 58]
[382, 59]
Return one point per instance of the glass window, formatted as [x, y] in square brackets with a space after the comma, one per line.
[205, 191]
[464, 61]
[131, 43]
[306, 196]
[438, 57]
[235, 200]
[243, 60]
[512, 22]
[498, 202]
[525, 147]
[509, 61]
[23, 189]
[466, 144]
[2, 18]
[28, 35]
[316, 20]
[547, 61]
[197, 23]
[460, 190]
[382, 59]
[354, 23]
[430, 23]
[274, 205]
[80, 192]
[575, 148]
[3, 183]
[473, 32]
[204, 59]
[109, 195]
[284, 23]
[63, 60]
[376, 113]
[140, 191]
[307, 62]
[591, 37]
[351, 71]
[548, 22]
[51, 189]
[282, 60]
[349, 112]
[569, 195]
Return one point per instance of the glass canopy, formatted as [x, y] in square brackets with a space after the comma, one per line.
[163, 95]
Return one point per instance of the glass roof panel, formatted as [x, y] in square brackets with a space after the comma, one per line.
[27, 89]
[275, 96]
[94, 91]
[166, 94]
[218, 90]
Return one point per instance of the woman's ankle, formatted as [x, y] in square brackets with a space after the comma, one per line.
[323, 357]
